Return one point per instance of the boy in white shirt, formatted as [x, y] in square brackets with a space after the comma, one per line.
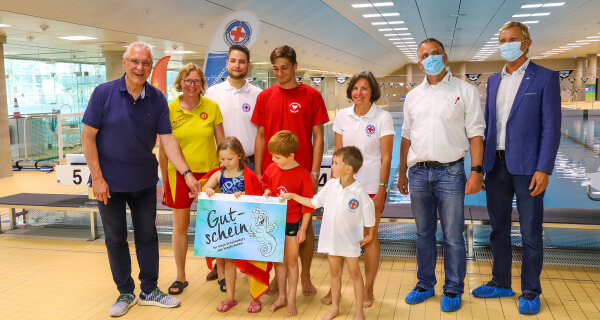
[347, 210]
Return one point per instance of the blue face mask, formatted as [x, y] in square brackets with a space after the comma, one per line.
[433, 65]
[511, 51]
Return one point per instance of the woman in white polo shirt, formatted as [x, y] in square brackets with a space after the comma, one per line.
[370, 129]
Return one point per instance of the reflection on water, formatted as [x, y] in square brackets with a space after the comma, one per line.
[578, 155]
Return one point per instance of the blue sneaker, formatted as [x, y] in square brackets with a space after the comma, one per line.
[492, 290]
[451, 304]
[528, 304]
[416, 296]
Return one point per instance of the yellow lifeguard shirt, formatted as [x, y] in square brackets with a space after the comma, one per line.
[195, 132]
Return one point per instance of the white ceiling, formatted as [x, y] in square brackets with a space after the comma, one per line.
[327, 35]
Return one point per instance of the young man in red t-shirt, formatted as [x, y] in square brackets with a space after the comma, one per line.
[282, 176]
[290, 105]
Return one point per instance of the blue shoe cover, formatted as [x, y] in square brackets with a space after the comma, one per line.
[415, 297]
[451, 304]
[529, 306]
[484, 291]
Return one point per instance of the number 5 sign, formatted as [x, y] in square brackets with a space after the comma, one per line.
[72, 175]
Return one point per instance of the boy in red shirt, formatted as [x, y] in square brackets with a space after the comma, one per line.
[282, 176]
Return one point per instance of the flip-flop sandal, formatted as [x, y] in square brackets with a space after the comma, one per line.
[226, 305]
[179, 286]
[253, 305]
[222, 284]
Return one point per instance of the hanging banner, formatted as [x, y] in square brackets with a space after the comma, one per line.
[473, 76]
[299, 79]
[381, 84]
[341, 80]
[477, 83]
[564, 73]
[159, 75]
[240, 27]
[250, 79]
[584, 80]
[571, 80]
[248, 228]
[391, 84]
[317, 80]
[412, 84]
[401, 84]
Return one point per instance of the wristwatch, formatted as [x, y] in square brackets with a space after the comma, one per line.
[381, 184]
[478, 169]
[185, 172]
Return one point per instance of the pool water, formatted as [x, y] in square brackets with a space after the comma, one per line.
[578, 155]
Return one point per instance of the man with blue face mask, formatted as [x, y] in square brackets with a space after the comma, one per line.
[443, 119]
[523, 117]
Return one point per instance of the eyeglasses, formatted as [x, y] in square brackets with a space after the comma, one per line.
[189, 82]
[145, 63]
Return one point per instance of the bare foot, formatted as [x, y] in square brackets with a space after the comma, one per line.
[307, 287]
[290, 310]
[326, 300]
[359, 316]
[368, 300]
[272, 287]
[331, 314]
[280, 302]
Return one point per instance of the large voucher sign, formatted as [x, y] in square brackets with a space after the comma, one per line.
[248, 228]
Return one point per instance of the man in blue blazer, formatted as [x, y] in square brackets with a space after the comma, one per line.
[523, 117]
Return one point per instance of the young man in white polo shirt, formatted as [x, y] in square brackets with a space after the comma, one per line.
[236, 98]
[442, 120]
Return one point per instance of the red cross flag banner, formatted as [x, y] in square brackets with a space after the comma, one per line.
[159, 74]
[240, 27]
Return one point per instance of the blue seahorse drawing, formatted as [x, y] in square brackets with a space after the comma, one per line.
[261, 231]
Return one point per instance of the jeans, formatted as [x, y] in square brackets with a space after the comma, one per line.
[440, 191]
[501, 186]
[143, 216]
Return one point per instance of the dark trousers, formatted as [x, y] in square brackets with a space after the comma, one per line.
[143, 215]
[501, 187]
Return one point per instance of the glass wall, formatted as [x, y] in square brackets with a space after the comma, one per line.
[46, 86]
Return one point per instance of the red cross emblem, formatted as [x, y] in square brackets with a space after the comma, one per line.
[353, 204]
[237, 33]
[370, 129]
[204, 116]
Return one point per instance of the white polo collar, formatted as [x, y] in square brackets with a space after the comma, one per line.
[245, 88]
[369, 114]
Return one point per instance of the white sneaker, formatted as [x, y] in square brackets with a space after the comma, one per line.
[124, 302]
[159, 299]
